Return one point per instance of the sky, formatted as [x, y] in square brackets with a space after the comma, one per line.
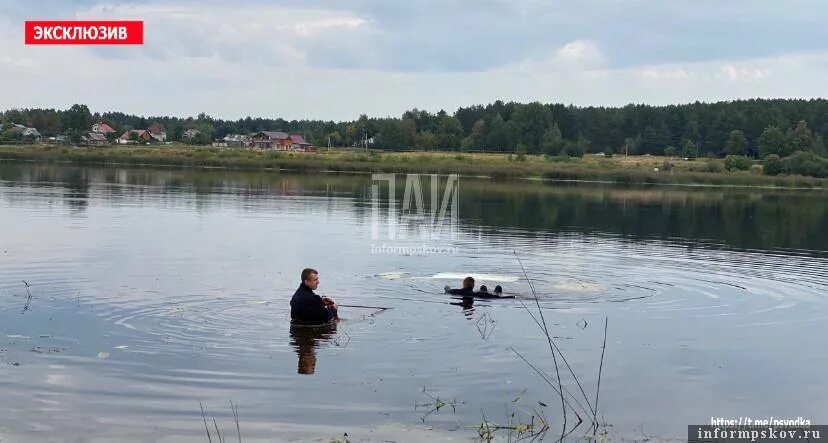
[337, 59]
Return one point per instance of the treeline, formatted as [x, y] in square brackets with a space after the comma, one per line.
[753, 128]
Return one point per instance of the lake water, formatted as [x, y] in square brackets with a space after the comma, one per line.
[156, 292]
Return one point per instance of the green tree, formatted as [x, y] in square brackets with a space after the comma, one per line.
[498, 139]
[772, 165]
[426, 140]
[46, 121]
[408, 132]
[532, 121]
[806, 163]
[521, 152]
[576, 148]
[772, 141]
[819, 145]
[362, 131]
[690, 150]
[466, 144]
[469, 116]
[552, 142]
[736, 143]
[655, 138]
[423, 120]
[477, 137]
[691, 132]
[728, 119]
[334, 137]
[800, 138]
[352, 135]
[512, 135]
[15, 116]
[737, 163]
[6, 135]
[396, 134]
[630, 146]
[449, 133]
[77, 118]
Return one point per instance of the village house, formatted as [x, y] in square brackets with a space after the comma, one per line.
[272, 140]
[158, 132]
[298, 143]
[25, 132]
[58, 140]
[280, 141]
[134, 136]
[103, 128]
[190, 134]
[94, 139]
[233, 141]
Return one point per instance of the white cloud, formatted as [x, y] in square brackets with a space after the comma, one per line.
[326, 24]
[258, 34]
[580, 53]
[665, 73]
[734, 73]
[236, 61]
[14, 62]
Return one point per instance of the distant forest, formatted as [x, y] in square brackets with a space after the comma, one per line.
[754, 128]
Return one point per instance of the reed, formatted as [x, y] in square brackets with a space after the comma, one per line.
[638, 170]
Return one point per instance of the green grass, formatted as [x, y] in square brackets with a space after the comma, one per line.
[634, 169]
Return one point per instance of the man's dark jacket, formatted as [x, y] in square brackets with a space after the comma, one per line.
[307, 308]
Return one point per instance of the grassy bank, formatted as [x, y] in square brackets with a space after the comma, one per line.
[634, 169]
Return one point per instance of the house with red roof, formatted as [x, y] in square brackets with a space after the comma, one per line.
[134, 136]
[103, 128]
[280, 141]
[155, 133]
[298, 143]
[158, 132]
[272, 140]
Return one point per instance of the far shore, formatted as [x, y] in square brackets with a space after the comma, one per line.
[592, 168]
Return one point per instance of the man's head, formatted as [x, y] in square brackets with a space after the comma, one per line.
[468, 283]
[310, 277]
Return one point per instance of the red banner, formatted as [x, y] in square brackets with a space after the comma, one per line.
[84, 32]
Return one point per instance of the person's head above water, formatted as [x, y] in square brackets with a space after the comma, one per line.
[498, 289]
[468, 283]
[483, 288]
[310, 277]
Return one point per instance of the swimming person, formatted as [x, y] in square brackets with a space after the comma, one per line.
[306, 307]
[467, 293]
[468, 290]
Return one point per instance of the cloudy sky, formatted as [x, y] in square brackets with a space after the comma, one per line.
[336, 59]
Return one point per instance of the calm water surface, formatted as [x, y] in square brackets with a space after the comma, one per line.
[154, 290]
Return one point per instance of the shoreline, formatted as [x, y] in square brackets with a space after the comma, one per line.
[634, 170]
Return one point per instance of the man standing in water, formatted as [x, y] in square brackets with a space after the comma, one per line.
[307, 308]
